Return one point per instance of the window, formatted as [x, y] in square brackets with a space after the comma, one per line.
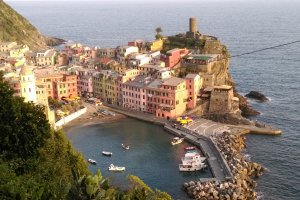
[29, 89]
[177, 102]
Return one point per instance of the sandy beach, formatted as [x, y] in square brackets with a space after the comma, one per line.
[89, 119]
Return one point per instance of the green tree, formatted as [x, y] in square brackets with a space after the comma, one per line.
[24, 127]
[158, 30]
[55, 103]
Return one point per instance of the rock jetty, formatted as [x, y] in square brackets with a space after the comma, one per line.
[241, 186]
[257, 95]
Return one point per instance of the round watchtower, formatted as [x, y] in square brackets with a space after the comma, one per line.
[193, 25]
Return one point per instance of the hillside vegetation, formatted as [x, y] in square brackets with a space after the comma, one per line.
[14, 27]
[37, 162]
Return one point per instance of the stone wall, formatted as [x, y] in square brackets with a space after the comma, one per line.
[69, 118]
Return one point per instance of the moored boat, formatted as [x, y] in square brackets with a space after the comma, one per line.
[176, 140]
[115, 168]
[192, 161]
[191, 167]
[94, 162]
[190, 148]
[192, 157]
[106, 153]
[127, 147]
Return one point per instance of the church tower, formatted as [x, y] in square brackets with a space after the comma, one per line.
[27, 83]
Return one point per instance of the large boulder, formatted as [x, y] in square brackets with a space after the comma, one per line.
[257, 95]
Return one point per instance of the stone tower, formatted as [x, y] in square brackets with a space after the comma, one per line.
[27, 83]
[193, 31]
[193, 25]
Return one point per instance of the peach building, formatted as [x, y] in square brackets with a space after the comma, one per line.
[58, 85]
[167, 98]
[193, 86]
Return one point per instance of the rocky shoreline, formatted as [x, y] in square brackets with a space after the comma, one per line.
[241, 186]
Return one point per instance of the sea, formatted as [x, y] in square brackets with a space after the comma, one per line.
[243, 26]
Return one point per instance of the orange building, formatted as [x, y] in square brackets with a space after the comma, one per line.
[58, 85]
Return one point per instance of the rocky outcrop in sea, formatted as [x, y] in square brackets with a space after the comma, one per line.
[257, 96]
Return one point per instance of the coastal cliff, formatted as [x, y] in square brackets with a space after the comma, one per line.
[15, 27]
[211, 45]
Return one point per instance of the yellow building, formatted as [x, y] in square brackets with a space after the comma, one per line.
[105, 85]
[45, 58]
[35, 92]
[18, 51]
[156, 45]
[6, 46]
[42, 99]
[27, 84]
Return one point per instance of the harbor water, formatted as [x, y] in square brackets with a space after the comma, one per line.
[151, 156]
[242, 26]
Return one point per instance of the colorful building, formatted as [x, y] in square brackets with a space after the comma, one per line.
[58, 84]
[155, 45]
[18, 51]
[84, 81]
[167, 98]
[26, 86]
[134, 93]
[105, 85]
[193, 86]
[173, 57]
[67, 87]
[45, 58]
[6, 46]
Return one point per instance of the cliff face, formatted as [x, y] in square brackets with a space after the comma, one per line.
[14, 27]
[210, 45]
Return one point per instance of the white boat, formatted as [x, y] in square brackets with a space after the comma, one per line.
[192, 156]
[127, 147]
[176, 140]
[94, 162]
[191, 167]
[106, 153]
[192, 161]
[115, 168]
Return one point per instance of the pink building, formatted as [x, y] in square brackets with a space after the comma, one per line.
[193, 86]
[173, 57]
[85, 81]
[134, 93]
[167, 98]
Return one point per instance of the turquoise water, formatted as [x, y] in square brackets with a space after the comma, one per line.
[243, 27]
[151, 156]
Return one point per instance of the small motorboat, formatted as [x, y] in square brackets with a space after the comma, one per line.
[94, 162]
[127, 147]
[190, 148]
[176, 140]
[106, 153]
[115, 168]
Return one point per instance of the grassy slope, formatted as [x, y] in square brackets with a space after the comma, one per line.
[14, 27]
